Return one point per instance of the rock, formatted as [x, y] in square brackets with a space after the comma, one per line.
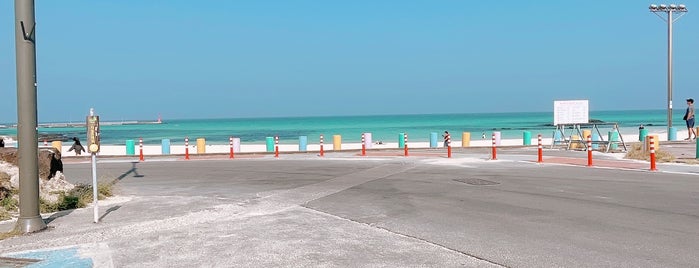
[49, 160]
[51, 178]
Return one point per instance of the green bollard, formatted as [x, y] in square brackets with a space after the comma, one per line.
[130, 147]
[526, 138]
[270, 144]
[642, 133]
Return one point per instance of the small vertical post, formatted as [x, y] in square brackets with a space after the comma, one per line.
[405, 142]
[541, 151]
[140, 150]
[321, 145]
[494, 153]
[276, 146]
[449, 147]
[230, 142]
[363, 146]
[589, 150]
[651, 141]
[186, 148]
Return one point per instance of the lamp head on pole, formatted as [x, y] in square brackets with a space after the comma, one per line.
[667, 8]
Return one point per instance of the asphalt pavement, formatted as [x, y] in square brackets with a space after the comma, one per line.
[380, 210]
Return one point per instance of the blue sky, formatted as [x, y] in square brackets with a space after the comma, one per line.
[134, 59]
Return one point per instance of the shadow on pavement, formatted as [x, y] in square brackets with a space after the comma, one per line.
[109, 210]
[133, 170]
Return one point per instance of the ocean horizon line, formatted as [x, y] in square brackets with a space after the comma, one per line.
[165, 120]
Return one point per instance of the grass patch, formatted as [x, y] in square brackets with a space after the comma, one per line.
[4, 214]
[79, 197]
[637, 152]
[9, 203]
[10, 234]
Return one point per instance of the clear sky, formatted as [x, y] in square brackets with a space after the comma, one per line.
[135, 59]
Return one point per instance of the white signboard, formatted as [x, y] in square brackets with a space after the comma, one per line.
[571, 112]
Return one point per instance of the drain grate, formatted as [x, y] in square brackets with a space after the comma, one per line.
[476, 181]
[16, 262]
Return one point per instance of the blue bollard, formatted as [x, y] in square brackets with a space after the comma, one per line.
[595, 137]
[166, 146]
[303, 143]
[672, 135]
[433, 140]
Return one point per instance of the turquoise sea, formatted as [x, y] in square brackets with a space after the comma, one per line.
[382, 127]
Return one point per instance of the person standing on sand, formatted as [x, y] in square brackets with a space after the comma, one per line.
[447, 137]
[76, 146]
[689, 118]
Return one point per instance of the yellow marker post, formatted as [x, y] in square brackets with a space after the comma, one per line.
[466, 139]
[201, 146]
[337, 142]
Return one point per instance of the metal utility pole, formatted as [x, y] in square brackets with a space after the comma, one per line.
[669, 10]
[25, 43]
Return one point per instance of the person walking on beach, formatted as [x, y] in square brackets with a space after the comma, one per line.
[447, 137]
[76, 146]
[689, 118]
[2, 142]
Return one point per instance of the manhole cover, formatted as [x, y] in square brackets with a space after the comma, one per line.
[16, 262]
[475, 181]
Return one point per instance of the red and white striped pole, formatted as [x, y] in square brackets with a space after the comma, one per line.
[276, 146]
[321, 145]
[652, 153]
[230, 142]
[449, 147]
[541, 151]
[405, 143]
[140, 149]
[363, 146]
[495, 152]
[589, 150]
[186, 148]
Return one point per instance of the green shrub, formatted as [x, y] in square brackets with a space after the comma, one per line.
[4, 214]
[9, 203]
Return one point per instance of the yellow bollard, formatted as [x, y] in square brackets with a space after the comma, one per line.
[201, 146]
[465, 139]
[58, 145]
[574, 142]
[586, 133]
[337, 142]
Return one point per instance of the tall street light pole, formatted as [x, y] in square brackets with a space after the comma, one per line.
[669, 10]
[29, 218]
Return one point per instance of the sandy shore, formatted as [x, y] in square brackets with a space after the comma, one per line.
[179, 148]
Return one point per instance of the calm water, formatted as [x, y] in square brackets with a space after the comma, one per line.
[382, 127]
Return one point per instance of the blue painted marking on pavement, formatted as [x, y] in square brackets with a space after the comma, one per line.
[67, 257]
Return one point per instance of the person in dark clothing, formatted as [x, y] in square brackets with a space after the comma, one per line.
[76, 146]
[447, 138]
[2, 142]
